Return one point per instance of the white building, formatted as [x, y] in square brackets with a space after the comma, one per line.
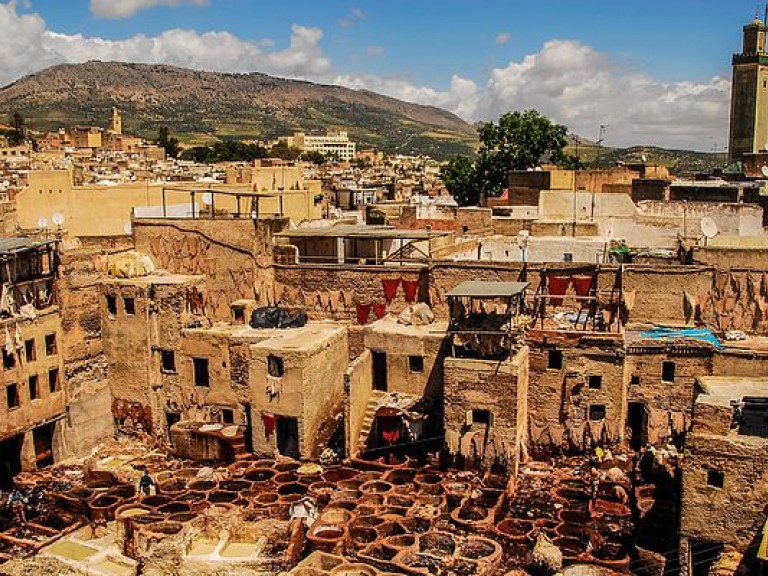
[333, 143]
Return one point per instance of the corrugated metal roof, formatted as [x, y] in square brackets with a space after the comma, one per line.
[480, 289]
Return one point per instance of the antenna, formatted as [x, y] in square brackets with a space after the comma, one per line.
[708, 227]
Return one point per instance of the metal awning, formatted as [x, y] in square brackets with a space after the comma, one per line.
[480, 289]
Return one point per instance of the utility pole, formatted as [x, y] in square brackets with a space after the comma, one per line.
[600, 138]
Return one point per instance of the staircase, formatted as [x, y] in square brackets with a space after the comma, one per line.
[375, 401]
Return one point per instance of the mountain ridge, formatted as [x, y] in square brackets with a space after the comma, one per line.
[199, 105]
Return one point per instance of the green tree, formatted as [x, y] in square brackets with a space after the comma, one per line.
[459, 177]
[282, 150]
[315, 157]
[519, 140]
[168, 142]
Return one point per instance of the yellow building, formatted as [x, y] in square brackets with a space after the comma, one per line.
[749, 95]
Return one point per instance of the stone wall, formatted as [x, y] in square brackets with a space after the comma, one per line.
[497, 387]
[574, 376]
[201, 247]
[332, 291]
[734, 514]
[358, 385]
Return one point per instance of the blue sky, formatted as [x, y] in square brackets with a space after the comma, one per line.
[657, 72]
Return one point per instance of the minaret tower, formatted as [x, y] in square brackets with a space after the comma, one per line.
[749, 95]
[117, 121]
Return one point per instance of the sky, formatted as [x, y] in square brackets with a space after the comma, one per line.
[655, 72]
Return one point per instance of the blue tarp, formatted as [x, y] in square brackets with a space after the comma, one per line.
[703, 334]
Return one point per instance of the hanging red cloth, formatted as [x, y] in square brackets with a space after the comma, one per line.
[582, 284]
[558, 285]
[390, 287]
[411, 289]
[390, 428]
[380, 309]
[363, 311]
[269, 424]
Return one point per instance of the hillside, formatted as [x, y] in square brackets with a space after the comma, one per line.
[681, 163]
[200, 106]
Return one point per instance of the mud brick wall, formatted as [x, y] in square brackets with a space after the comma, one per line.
[500, 388]
[235, 257]
[664, 399]
[85, 366]
[735, 513]
[559, 399]
[659, 291]
[331, 291]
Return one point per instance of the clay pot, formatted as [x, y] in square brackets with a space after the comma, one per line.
[336, 475]
[476, 548]
[203, 485]
[437, 543]
[514, 529]
[259, 475]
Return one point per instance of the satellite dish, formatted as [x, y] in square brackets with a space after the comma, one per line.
[708, 227]
[127, 228]
[764, 170]
[207, 198]
[42, 223]
[58, 218]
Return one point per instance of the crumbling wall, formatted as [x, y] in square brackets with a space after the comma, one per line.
[734, 513]
[473, 385]
[201, 246]
[85, 367]
[582, 400]
[332, 291]
[669, 403]
[358, 384]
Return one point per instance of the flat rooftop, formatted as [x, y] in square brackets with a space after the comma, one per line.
[313, 334]
[480, 289]
[390, 325]
[12, 246]
[722, 390]
[156, 279]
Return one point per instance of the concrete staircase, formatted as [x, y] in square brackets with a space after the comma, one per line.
[374, 401]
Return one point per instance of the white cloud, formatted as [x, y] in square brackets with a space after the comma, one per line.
[355, 15]
[126, 8]
[582, 88]
[503, 37]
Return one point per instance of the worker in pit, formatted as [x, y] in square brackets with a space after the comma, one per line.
[146, 483]
[17, 504]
